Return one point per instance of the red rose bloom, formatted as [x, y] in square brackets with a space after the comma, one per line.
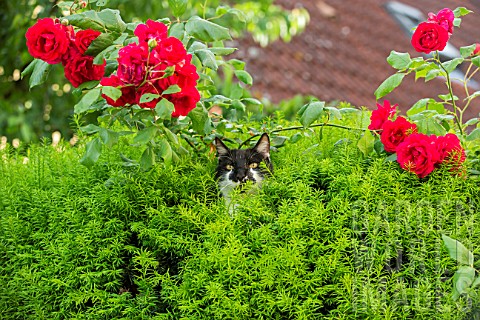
[443, 18]
[395, 132]
[382, 114]
[418, 154]
[132, 62]
[184, 101]
[477, 49]
[150, 30]
[128, 91]
[84, 38]
[47, 40]
[171, 49]
[429, 37]
[81, 69]
[450, 151]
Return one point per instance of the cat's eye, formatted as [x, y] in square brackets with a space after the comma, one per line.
[253, 165]
[229, 167]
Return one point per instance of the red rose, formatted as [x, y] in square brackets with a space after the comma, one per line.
[84, 38]
[150, 30]
[71, 53]
[382, 114]
[429, 37]
[443, 18]
[184, 101]
[477, 49]
[132, 63]
[171, 50]
[418, 154]
[81, 69]
[47, 40]
[128, 91]
[450, 150]
[187, 76]
[395, 132]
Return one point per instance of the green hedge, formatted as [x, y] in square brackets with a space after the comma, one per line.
[329, 236]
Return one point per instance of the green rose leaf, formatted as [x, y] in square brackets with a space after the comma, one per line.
[472, 121]
[108, 137]
[237, 64]
[296, 137]
[207, 58]
[145, 135]
[199, 117]
[165, 151]
[174, 88]
[87, 101]
[92, 153]
[148, 158]
[461, 11]
[244, 76]
[238, 105]
[29, 69]
[148, 97]
[252, 101]
[219, 51]
[311, 112]
[172, 137]
[177, 30]
[112, 92]
[178, 7]
[457, 251]
[366, 143]
[39, 70]
[102, 42]
[389, 84]
[89, 129]
[335, 112]
[107, 19]
[430, 126]
[476, 283]
[205, 30]
[452, 64]
[462, 280]
[418, 107]
[164, 109]
[467, 51]
[476, 61]
[399, 60]
[474, 135]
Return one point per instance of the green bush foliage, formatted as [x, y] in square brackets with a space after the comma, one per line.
[327, 237]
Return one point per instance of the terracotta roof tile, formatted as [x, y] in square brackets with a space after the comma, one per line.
[342, 53]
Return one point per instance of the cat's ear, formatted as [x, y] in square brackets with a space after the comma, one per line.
[222, 149]
[263, 146]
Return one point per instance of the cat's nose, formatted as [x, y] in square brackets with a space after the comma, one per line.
[241, 176]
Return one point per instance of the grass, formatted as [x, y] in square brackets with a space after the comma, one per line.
[330, 236]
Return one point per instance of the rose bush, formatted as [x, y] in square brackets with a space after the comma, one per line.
[416, 152]
[440, 123]
[141, 78]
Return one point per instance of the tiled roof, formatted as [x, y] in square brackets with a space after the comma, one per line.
[342, 53]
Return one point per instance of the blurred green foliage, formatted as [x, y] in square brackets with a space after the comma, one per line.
[32, 114]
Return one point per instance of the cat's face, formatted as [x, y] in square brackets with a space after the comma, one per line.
[237, 166]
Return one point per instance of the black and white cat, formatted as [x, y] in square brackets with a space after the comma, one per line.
[237, 166]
